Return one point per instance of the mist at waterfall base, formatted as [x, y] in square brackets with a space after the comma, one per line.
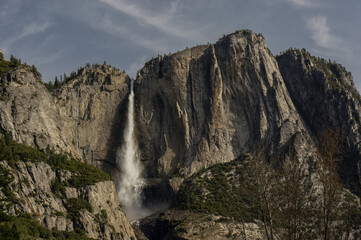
[129, 179]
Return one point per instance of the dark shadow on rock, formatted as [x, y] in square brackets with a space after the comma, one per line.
[116, 138]
[157, 194]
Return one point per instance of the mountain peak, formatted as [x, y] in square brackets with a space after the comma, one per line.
[242, 36]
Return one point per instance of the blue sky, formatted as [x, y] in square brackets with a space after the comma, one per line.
[61, 36]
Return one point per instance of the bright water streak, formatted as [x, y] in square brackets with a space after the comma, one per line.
[130, 180]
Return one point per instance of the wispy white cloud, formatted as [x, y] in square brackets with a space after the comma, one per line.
[295, 3]
[34, 28]
[30, 29]
[329, 45]
[161, 21]
[301, 3]
[115, 30]
[51, 57]
[320, 32]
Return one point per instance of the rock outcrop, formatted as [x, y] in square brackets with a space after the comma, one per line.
[95, 209]
[81, 118]
[195, 108]
[211, 103]
[188, 225]
[326, 97]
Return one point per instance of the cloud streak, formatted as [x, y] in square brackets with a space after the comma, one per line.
[34, 28]
[320, 32]
[30, 29]
[161, 22]
[109, 27]
[301, 3]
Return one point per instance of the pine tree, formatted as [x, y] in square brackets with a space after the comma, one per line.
[56, 82]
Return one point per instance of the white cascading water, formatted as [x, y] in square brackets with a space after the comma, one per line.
[130, 181]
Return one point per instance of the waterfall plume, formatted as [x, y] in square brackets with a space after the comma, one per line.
[130, 181]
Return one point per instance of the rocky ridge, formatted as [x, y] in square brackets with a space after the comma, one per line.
[65, 195]
[326, 97]
[211, 103]
[67, 120]
[195, 108]
[78, 118]
[33, 184]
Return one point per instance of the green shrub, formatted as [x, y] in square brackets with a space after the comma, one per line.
[84, 174]
[58, 188]
[74, 205]
[13, 63]
[212, 191]
[25, 226]
[5, 179]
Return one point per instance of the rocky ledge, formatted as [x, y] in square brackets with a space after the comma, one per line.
[68, 197]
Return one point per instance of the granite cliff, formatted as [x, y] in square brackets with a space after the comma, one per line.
[202, 106]
[194, 108]
[77, 118]
[70, 198]
[326, 97]
[211, 103]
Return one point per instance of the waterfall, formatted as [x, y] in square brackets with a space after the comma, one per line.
[130, 181]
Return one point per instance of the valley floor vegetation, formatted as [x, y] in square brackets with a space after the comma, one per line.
[281, 198]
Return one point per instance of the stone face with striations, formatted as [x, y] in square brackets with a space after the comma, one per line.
[33, 183]
[79, 118]
[326, 97]
[193, 108]
[211, 103]
[90, 106]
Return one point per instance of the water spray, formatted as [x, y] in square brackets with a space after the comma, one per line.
[130, 182]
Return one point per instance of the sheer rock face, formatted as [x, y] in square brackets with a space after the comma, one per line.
[325, 97]
[211, 103]
[29, 112]
[79, 118]
[32, 184]
[194, 108]
[90, 106]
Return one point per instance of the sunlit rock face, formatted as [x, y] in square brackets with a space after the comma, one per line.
[83, 117]
[210, 103]
[194, 108]
[33, 185]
